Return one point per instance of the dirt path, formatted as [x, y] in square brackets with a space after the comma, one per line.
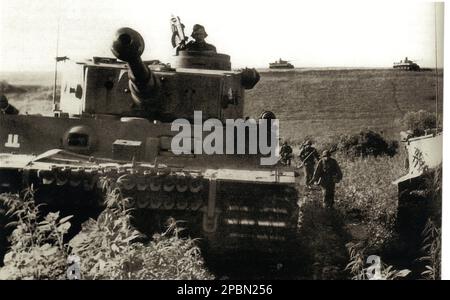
[323, 235]
[320, 249]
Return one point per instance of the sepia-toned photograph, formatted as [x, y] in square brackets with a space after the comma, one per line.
[221, 140]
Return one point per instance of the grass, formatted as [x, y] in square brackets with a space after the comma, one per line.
[325, 103]
[367, 198]
[35, 100]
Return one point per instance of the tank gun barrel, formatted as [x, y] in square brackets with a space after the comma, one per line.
[128, 45]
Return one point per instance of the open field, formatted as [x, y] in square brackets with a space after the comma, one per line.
[28, 78]
[35, 99]
[323, 103]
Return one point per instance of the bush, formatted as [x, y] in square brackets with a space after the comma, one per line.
[419, 121]
[5, 88]
[106, 248]
[366, 143]
[37, 249]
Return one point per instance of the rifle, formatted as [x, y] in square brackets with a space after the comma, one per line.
[178, 37]
[303, 161]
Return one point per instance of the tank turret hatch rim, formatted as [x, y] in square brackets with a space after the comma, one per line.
[115, 63]
[90, 63]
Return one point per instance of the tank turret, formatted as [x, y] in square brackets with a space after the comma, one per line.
[128, 45]
[127, 86]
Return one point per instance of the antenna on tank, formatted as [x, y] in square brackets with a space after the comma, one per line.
[55, 105]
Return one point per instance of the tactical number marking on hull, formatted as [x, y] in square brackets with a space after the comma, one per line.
[13, 141]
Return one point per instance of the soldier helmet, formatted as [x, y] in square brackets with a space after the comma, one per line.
[3, 101]
[326, 153]
[198, 29]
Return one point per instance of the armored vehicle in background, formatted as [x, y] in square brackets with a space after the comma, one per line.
[281, 64]
[114, 119]
[406, 65]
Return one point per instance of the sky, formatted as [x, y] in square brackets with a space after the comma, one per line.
[252, 32]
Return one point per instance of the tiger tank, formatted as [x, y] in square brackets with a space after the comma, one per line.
[115, 120]
[406, 64]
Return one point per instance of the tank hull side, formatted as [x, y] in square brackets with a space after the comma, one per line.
[37, 134]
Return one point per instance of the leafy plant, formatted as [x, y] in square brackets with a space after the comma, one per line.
[419, 121]
[432, 249]
[366, 196]
[366, 143]
[377, 270]
[431, 234]
[109, 248]
[37, 248]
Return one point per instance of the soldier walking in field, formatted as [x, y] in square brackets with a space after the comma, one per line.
[308, 157]
[286, 154]
[327, 174]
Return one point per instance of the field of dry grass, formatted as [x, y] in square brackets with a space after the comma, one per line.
[323, 103]
[34, 99]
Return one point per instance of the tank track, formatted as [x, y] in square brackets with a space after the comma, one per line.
[228, 215]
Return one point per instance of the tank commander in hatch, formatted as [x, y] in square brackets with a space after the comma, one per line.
[199, 44]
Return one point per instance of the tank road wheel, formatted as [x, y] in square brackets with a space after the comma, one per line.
[195, 185]
[182, 184]
[143, 200]
[155, 200]
[169, 184]
[155, 184]
[195, 202]
[169, 202]
[181, 202]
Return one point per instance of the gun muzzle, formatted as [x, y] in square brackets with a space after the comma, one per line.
[128, 45]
